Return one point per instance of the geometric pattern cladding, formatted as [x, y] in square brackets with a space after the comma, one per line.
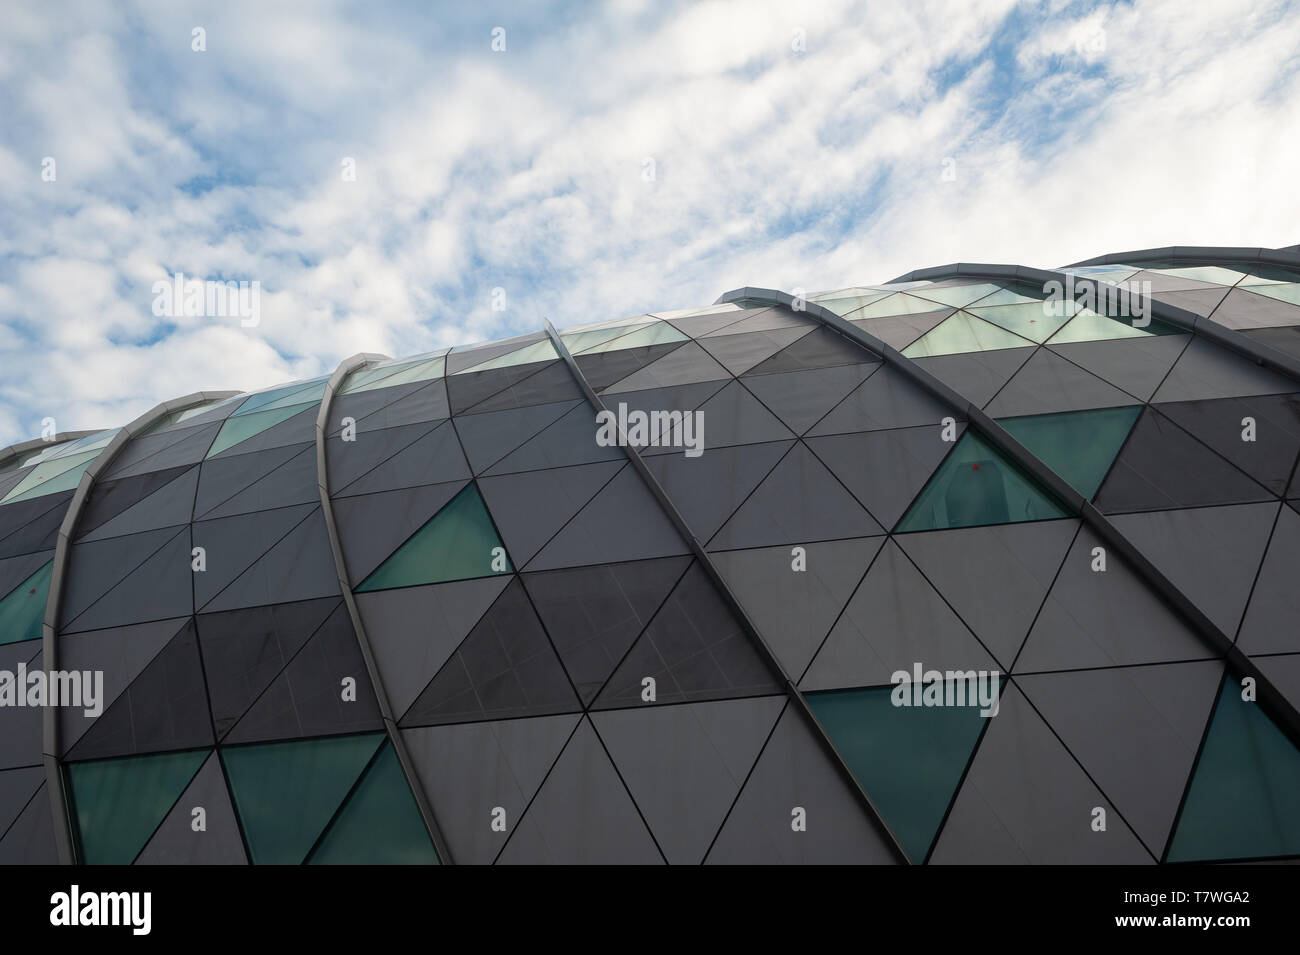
[464, 629]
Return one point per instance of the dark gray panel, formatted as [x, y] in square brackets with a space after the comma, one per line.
[1244, 309]
[384, 408]
[1270, 456]
[1207, 370]
[1134, 365]
[1026, 801]
[802, 398]
[155, 589]
[21, 741]
[413, 630]
[1135, 730]
[1048, 383]
[296, 429]
[169, 506]
[681, 366]
[470, 769]
[552, 383]
[694, 649]
[529, 507]
[176, 843]
[462, 358]
[685, 764]
[232, 544]
[1285, 340]
[244, 650]
[306, 699]
[1270, 622]
[604, 368]
[885, 400]
[469, 389]
[95, 568]
[372, 526]
[707, 489]
[506, 667]
[622, 522]
[294, 482]
[560, 827]
[994, 577]
[1283, 671]
[1101, 619]
[1210, 553]
[569, 441]
[120, 653]
[885, 470]
[108, 499]
[34, 524]
[433, 458]
[30, 840]
[899, 331]
[799, 502]
[489, 437]
[593, 614]
[14, 570]
[733, 416]
[157, 452]
[299, 567]
[17, 786]
[794, 771]
[976, 376]
[739, 353]
[164, 708]
[894, 620]
[1200, 301]
[761, 320]
[222, 478]
[793, 609]
[822, 348]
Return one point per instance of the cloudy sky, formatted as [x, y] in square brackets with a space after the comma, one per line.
[613, 159]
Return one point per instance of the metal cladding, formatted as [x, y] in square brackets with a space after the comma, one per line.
[988, 564]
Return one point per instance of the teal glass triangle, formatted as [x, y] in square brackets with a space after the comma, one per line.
[458, 543]
[977, 485]
[22, 611]
[238, 429]
[1242, 801]
[909, 759]
[1080, 446]
[118, 803]
[380, 824]
[286, 793]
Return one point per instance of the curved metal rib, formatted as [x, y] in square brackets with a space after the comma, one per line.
[345, 368]
[49, 629]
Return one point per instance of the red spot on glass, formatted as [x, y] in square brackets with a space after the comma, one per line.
[974, 467]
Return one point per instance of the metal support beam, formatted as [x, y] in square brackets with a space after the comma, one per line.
[345, 368]
[733, 604]
[53, 603]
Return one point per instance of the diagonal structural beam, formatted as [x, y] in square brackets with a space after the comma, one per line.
[345, 368]
[733, 604]
[53, 602]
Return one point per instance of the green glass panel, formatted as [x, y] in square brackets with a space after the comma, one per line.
[581, 341]
[841, 305]
[1009, 296]
[305, 396]
[276, 397]
[957, 295]
[1268, 275]
[1283, 293]
[286, 793]
[56, 474]
[239, 428]
[1031, 321]
[23, 609]
[118, 803]
[1105, 273]
[1204, 273]
[1080, 445]
[896, 304]
[1242, 801]
[909, 759]
[455, 544]
[1089, 326]
[658, 333]
[977, 485]
[390, 376]
[380, 824]
[963, 332]
[537, 351]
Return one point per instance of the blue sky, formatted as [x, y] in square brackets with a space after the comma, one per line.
[1074, 128]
